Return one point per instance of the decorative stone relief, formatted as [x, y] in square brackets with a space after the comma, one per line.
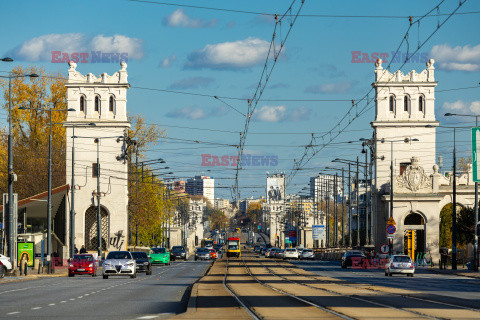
[414, 177]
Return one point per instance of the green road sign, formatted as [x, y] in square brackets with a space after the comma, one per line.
[475, 148]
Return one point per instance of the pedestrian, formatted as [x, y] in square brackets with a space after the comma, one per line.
[83, 250]
[75, 249]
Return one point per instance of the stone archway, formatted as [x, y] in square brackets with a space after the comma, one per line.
[91, 241]
[414, 237]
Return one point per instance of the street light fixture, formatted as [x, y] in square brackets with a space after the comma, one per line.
[11, 225]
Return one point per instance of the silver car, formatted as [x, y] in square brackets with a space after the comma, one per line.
[119, 263]
[400, 264]
[307, 254]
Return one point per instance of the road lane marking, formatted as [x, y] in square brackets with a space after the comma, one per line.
[36, 308]
[63, 301]
[15, 312]
[72, 299]
[80, 297]
[51, 304]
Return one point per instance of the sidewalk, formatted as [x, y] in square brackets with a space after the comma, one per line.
[32, 275]
[464, 272]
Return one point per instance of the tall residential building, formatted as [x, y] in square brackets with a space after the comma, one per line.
[220, 203]
[323, 187]
[201, 185]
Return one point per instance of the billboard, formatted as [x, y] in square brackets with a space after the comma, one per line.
[318, 232]
[276, 188]
[25, 252]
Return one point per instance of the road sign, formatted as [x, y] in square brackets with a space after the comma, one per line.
[384, 249]
[475, 149]
[259, 227]
[391, 229]
[318, 232]
[391, 221]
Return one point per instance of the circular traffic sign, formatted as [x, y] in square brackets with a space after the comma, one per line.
[391, 229]
[384, 249]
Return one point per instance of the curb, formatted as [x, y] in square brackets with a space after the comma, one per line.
[192, 301]
[455, 274]
[34, 277]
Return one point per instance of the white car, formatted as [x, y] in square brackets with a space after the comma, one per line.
[401, 264]
[290, 253]
[119, 263]
[6, 262]
[307, 254]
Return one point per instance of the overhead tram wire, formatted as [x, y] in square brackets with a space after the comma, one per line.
[353, 113]
[272, 57]
[180, 5]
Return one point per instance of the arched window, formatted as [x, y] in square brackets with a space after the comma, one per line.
[82, 103]
[406, 102]
[392, 104]
[420, 104]
[111, 104]
[97, 103]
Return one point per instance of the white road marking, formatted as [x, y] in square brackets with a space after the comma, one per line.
[51, 304]
[36, 308]
[80, 297]
[72, 299]
[63, 301]
[86, 294]
[15, 312]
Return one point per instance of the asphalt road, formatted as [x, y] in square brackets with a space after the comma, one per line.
[451, 289]
[86, 297]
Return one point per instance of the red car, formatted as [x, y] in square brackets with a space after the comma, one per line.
[213, 254]
[82, 264]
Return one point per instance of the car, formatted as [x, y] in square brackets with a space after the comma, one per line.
[270, 253]
[7, 264]
[3, 270]
[352, 254]
[159, 255]
[278, 253]
[178, 252]
[213, 254]
[143, 262]
[119, 263]
[290, 253]
[202, 254]
[400, 264]
[307, 254]
[82, 264]
[256, 248]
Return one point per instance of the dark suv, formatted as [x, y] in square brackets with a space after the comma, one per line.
[143, 262]
[178, 252]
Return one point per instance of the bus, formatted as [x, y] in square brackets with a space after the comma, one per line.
[233, 247]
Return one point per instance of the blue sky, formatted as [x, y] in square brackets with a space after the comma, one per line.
[222, 53]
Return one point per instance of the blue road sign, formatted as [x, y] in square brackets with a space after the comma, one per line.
[391, 229]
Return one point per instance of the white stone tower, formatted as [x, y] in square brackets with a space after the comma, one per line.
[100, 105]
[405, 108]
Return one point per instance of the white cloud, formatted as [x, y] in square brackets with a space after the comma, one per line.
[168, 61]
[178, 18]
[229, 55]
[193, 113]
[281, 114]
[462, 106]
[339, 87]
[40, 48]
[466, 58]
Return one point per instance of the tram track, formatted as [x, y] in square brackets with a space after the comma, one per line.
[407, 296]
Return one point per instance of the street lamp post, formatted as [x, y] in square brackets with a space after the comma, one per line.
[49, 192]
[475, 240]
[11, 225]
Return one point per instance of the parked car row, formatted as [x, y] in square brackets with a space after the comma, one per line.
[288, 253]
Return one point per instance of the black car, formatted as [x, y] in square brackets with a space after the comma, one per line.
[347, 258]
[143, 262]
[178, 252]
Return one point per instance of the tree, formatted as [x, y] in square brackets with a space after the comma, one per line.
[463, 164]
[446, 226]
[31, 131]
[466, 225]
[254, 212]
[217, 219]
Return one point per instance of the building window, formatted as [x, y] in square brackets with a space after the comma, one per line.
[404, 166]
[405, 103]
[392, 104]
[420, 104]
[110, 104]
[97, 103]
[82, 103]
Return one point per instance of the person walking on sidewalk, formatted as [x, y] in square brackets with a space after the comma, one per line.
[75, 249]
[83, 250]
